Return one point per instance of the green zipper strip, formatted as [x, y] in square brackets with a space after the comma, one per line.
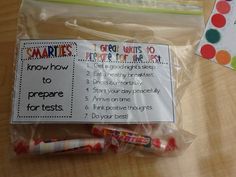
[182, 2]
[137, 8]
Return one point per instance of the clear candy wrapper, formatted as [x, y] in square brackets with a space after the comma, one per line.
[99, 76]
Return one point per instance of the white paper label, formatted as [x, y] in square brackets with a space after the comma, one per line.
[93, 82]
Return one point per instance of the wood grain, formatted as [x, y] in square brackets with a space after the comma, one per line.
[208, 111]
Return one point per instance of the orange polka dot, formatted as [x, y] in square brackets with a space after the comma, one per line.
[223, 57]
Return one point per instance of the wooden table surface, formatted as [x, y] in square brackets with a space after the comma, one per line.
[208, 111]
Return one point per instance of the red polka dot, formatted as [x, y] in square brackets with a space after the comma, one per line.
[208, 51]
[223, 7]
[218, 20]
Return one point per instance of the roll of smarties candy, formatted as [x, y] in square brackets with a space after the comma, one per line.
[60, 146]
[120, 136]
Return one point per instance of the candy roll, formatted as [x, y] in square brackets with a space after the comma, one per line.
[120, 136]
[54, 146]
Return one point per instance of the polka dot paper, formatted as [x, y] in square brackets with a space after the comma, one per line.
[218, 43]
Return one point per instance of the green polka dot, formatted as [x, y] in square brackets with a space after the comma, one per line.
[233, 63]
[213, 36]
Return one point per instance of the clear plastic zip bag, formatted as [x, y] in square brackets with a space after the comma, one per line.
[144, 47]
